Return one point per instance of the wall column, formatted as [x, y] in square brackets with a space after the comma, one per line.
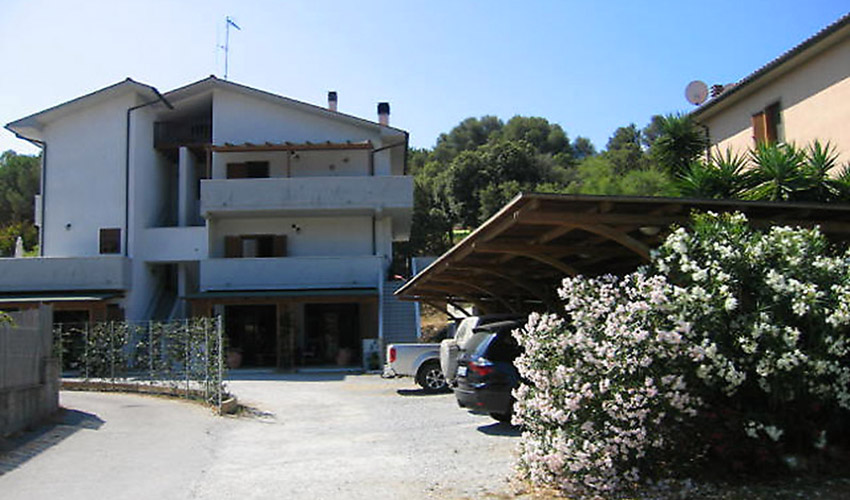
[185, 187]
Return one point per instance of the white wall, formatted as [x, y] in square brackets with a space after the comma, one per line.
[306, 164]
[85, 177]
[239, 118]
[318, 236]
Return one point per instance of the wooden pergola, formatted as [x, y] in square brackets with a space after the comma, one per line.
[515, 261]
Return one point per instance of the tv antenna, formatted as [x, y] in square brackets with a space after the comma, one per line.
[227, 24]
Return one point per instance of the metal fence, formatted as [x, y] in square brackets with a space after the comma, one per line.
[184, 357]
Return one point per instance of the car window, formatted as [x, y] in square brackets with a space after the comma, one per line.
[465, 331]
[503, 347]
[484, 338]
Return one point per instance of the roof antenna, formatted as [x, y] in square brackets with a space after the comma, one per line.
[228, 23]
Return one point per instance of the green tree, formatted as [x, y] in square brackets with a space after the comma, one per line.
[467, 135]
[19, 180]
[582, 148]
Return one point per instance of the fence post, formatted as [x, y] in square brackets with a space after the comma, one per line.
[112, 352]
[188, 344]
[220, 383]
[206, 361]
[86, 349]
[60, 349]
[150, 350]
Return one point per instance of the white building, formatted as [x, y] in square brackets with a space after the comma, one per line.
[217, 198]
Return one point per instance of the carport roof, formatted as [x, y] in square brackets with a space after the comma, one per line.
[516, 260]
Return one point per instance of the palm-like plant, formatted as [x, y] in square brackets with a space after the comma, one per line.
[680, 143]
[722, 177]
[778, 173]
[820, 160]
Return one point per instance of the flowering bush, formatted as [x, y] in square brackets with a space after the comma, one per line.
[731, 345]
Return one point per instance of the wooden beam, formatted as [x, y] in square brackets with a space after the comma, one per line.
[288, 146]
[569, 219]
[480, 289]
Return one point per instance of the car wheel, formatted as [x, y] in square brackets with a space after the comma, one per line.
[431, 378]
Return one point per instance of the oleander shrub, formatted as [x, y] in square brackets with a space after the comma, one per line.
[728, 353]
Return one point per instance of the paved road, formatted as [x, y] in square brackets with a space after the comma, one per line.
[311, 436]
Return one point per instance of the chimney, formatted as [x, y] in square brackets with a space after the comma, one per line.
[332, 100]
[384, 113]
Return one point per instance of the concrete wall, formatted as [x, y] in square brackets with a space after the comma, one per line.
[29, 375]
[108, 272]
[310, 193]
[815, 104]
[290, 273]
[310, 236]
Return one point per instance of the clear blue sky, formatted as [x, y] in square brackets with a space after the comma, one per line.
[590, 66]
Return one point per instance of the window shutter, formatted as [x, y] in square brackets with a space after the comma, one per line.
[760, 128]
[280, 245]
[232, 247]
[237, 171]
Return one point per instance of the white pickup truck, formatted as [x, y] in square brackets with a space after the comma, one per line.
[423, 361]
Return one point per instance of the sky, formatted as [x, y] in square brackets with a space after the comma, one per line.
[590, 66]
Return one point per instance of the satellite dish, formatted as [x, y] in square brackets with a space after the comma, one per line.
[696, 92]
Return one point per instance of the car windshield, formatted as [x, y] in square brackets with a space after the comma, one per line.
[483, 338]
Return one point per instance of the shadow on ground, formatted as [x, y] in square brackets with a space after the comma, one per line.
[257, 374]
[18, 450]
[500, 429]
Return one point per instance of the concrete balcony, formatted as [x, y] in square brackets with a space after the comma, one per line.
[64, 274]
[290, 273]
[238, 197]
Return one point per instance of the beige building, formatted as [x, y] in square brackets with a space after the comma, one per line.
[802, 95]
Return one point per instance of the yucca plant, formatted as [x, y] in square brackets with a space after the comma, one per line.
[778, 173]
[731, 176]
[722, 177]
[820, 161]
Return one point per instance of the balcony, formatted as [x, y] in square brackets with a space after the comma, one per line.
[290, 273]
[236, 197]
[64, 274]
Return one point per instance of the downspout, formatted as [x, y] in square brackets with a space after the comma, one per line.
[125, 236]
[43, 185]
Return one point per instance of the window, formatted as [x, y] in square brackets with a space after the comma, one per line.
[255, 246]
[110, 240]
[248, 170]
[767, 125]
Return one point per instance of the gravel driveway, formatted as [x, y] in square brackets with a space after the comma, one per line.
[311, 436]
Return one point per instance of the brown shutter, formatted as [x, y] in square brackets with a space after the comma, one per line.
[232, 247]
[280, 245]
[237, 171]
[760, 128]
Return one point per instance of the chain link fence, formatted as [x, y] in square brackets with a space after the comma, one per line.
[183, 358]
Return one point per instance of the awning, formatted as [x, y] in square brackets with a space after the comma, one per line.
[517, 259]
[55, 297]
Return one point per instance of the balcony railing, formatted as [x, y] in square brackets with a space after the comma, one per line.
[58, 273]
[287, 273]
[175, 134]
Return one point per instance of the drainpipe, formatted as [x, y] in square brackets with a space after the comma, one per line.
[125, 236]
[43, 184]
